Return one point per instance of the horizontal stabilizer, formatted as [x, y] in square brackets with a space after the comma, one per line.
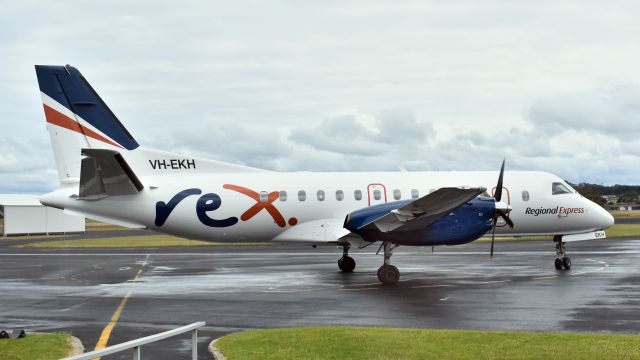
[105, 173]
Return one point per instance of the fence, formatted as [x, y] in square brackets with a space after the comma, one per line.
[137, 344]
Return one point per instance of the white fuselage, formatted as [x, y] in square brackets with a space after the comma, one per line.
[535, 209]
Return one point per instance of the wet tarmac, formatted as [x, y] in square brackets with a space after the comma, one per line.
[237, 288]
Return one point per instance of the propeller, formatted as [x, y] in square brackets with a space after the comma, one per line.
[502, 209]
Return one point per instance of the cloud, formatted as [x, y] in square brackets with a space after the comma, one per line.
[341, 86]
[614, 111]
[391, 130]
[24, 168]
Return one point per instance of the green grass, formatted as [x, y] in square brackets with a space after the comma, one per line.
[623, 230]
[625, 214]
[618, 230]
[130, 242]
[93, 225]
[390, 343]
[514, 238]
[30, 237]
[36, 346]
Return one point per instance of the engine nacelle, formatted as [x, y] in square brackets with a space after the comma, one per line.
[465, 224]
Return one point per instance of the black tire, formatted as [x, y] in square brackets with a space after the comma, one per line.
[566, 262]
[388, 274]
[559, 264]
[346, 264]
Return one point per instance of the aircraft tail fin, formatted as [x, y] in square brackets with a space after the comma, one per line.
[79, 122]
[77, 118]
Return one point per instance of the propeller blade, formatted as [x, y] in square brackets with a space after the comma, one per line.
[493, 236]
[506, 219]
[498, 193]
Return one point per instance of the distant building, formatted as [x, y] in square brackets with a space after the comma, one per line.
[610, 199]
[24, 215]
[622, 207]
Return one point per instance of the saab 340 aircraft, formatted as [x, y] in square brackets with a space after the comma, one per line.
[106, 175]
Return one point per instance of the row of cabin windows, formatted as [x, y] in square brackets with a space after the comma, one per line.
[357, 195]
[320, 195]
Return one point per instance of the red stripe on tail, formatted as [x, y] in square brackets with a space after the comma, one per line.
[57, 118]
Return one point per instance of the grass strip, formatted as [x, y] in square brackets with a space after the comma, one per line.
[616, 231]
[625, 214]
[131, 242]
[392, 343]
[36, 346]
[31, 237]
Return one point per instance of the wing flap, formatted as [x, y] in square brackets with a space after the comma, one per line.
[424, 211]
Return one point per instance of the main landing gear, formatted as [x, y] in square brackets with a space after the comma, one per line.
[346, 263]
[387, 273]
[562, 260]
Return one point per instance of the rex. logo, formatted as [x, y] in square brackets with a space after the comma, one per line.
[210, 202]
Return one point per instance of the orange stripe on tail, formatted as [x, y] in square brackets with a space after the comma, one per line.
[57, 118]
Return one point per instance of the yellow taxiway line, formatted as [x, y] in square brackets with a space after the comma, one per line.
[106, 332]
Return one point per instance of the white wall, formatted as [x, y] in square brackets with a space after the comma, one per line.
[25, 220]
[58, 221]
[39, 220]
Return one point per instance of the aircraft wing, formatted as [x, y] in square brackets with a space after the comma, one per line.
[421, 212]
[318, 231]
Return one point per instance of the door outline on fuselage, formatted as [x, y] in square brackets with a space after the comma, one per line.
[376, 186]
[500, 222]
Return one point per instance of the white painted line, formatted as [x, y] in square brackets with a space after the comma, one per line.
[579, 273]
[544, 277]
[493, 281]
[359, 289]
[431, 286]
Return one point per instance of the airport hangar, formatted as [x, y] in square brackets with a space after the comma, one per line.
[24, 215]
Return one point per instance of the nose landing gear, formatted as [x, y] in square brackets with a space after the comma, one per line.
[562, 260]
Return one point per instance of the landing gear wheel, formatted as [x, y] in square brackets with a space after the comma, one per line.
[562, 260]
[346, 264]
[388, 274]
[558, 264]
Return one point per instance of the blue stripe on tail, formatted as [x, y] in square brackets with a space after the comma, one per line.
[67, 86]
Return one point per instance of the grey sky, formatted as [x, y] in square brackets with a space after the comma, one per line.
[339, 85]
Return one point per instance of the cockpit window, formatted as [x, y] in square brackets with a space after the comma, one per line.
[559, 188]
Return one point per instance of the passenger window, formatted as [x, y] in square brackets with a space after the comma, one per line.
[415, 194]
[559, 188]
[264, 196]
[320, 195]
[377, 195]
[357, 194]
[339, 195]
[525, 195]
[302, 195]
[396, 194]
[283, 195]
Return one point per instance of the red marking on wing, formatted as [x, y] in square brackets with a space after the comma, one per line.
[57, 118]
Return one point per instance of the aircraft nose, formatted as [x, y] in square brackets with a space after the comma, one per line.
[604, 218]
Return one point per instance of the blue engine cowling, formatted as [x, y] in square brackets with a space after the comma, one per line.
[464, 224]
